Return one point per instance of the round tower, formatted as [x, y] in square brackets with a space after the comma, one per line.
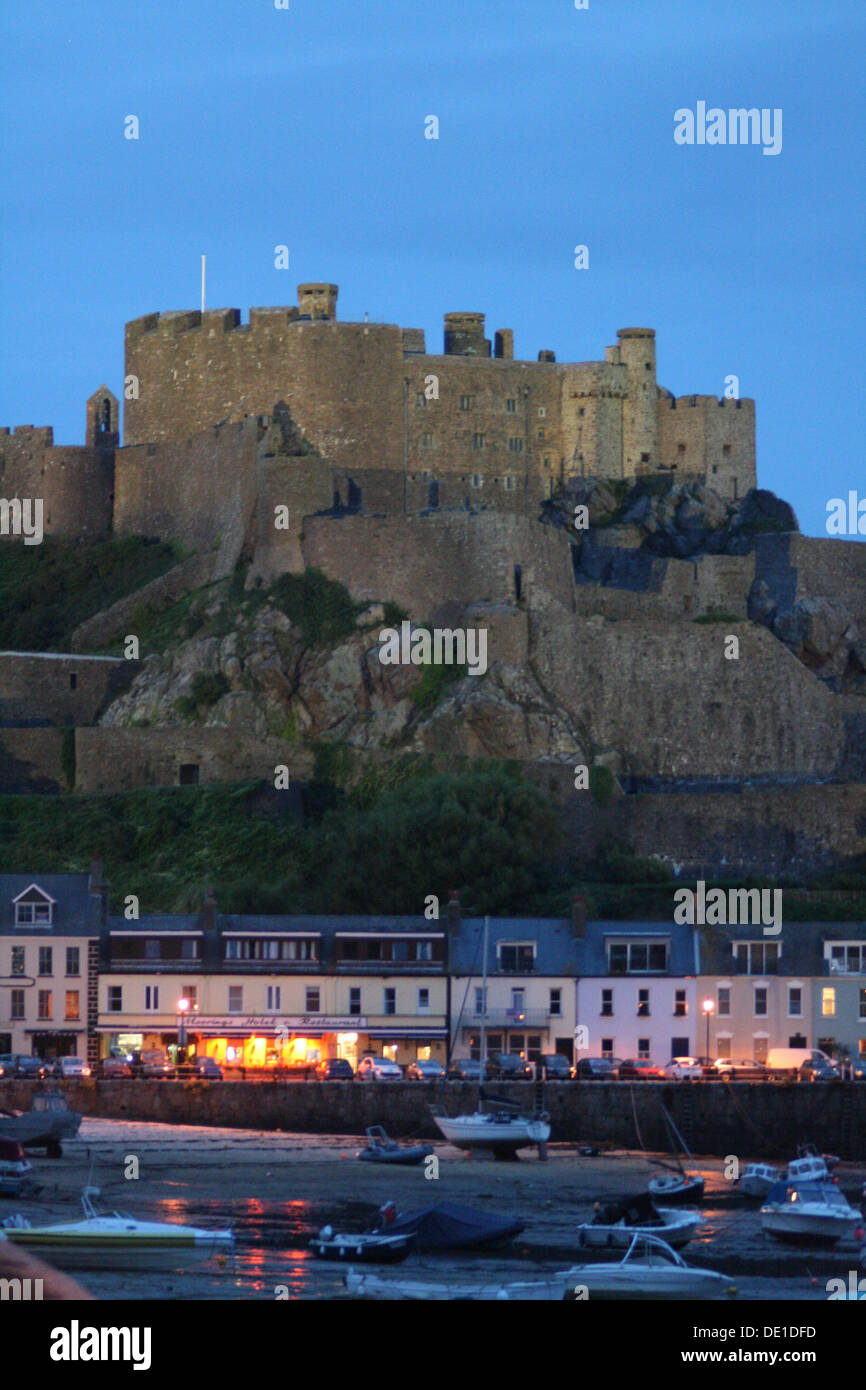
[640, 410]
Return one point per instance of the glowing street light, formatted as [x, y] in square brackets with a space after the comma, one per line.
[708, 1007]
[183, 1010]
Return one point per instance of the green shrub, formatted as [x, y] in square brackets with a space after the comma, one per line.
[67, 757]
[320, 607]
[601, 784]
[433, 685]
[205, 689]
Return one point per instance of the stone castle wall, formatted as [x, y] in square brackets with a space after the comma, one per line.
[118, 759]
[76, 485]
[59, 689]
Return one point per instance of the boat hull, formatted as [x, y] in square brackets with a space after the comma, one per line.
[397, 1156]
[677, 1230]
[591, 1282]
[474, 1132]
[131, 1252]
[364, 1250]
[807, 1229]
[677, 1190]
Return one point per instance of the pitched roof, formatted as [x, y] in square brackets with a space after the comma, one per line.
[77, 910]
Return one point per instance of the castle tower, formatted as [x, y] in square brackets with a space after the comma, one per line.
[636, 351]
[318, 301]
[464, 336]
[103, 414]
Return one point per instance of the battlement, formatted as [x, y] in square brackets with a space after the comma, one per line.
[670, 402]
[41, 435]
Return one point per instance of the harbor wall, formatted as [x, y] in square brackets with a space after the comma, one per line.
[756, 1120]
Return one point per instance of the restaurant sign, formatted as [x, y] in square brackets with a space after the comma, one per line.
[269, 1023]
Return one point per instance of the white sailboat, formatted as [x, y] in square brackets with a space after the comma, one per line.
[499, 1131]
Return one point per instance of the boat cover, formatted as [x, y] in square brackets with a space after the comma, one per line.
[449, 1226]
[639, 1210]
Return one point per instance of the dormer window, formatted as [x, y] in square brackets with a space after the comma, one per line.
[34, 908]
[637, 957]
[517, 957]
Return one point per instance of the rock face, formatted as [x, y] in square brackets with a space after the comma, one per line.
[822, 633]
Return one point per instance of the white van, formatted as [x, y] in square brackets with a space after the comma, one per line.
[791, 1059]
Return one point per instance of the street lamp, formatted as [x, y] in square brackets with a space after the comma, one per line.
[708, 1007]
[183, 1010]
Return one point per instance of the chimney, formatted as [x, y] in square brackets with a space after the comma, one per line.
[578, 915]
[454, 913]
[545, 355]
[209, 912]
[95, 874]
[503, 344]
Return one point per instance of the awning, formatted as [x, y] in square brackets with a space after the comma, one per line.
[385, 1033]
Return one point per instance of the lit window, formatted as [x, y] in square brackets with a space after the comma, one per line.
[828, 1001]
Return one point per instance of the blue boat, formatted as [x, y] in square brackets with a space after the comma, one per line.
[450, 1226]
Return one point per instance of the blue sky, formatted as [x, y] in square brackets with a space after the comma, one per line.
[305, 127]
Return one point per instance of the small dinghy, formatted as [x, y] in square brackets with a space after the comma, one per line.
[756, 1180]
[367, 1247]
[450, 1226]
[614, 1224]
[381, 1149]
[15, 1169]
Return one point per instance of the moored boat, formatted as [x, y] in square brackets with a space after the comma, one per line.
[814, 1213]
[48, 1120]
[111, 1240]
[678, 1187]
[756, 1179]
[614, 1224]
[499, 1131]
[450, 1226]
[367, 1247]
[381, 1149]
[15, 1168]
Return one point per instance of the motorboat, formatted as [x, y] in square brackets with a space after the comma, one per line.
[368, 1247]
[112, 1240]
[816, 1213]
[450, 1226]
[614, 1224]
[756, 1179]
[381, 1149]
[812, 1168]
[649, 1269]
[48, 1120]
[500, 1131]
[677, 1187]
[15, 1168]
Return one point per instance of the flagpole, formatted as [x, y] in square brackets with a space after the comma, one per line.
[202, 282]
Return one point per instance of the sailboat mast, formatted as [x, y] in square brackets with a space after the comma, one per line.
[483, 1007]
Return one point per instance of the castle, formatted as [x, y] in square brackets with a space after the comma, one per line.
[392, 428]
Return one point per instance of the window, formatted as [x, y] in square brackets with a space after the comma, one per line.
[581, 410]
[607, 1003]
[637, 957]
[73, 680]
[511, 406]
[828, 1002]
[115, 999]
[466, 402]
[795, 1001]
[681, 448]
[355, 1001]
[862, 1007]
[479, 1000]
[17, 1009]
[188, 774]
[644, 458]
[643, 1048]
[190, 992]
[478, 441]
[308, 950]
[374, 950]
[515, 445]
[680, 1007]
[427, 440]
[761, 1002]
[517, 958]
[724, 1001]
[72, 960]
[423, 1001]
[510, 482]
[45, 1005]
[756, 957]
[151, 998]
[643, 1003]
[312, 1000]
[390, 1000]
[516, 1043]
[726, 448]
[542, 411]
[151, 950]
[273, 999]
[533, 1047]
[541, 434]
[17, 960]
[423, 950]
[518, 1004]
[33, 908]
[607, 1047]
[848, 959]
[189, 948]
[236, 999]
[477, 480]
[349, 950]
[556, 1003]
[400, 950]
[46, 966]
[420, 400]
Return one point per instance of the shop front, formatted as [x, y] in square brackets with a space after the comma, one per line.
[405, 1044]
[273, 1041]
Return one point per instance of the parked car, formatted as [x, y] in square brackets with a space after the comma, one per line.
[819, 1070]
[743, 1070]
[115, 1067]
[597, 1069]
[464, 1069]
[425, 1069]
[335, 1069]
[7, 1064]
[554, 1066]
[378, 1069]
[207, 1069]
[33, 1068]
[683, 1069]
[156, 1066]
[640, 1069]
[68, 1068]
[510, 1066]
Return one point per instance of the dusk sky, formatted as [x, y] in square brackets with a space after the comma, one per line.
[305, 127]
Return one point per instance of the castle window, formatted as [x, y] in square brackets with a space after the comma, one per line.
[511, 406]
[477, 480]
[427, 441]
[648, 366]
[188, 774]
[478, 441]
[465, 402]
[510, 482]
[542, 411]
[644, 458]
[547, 462]
[73, 681]
[420, 399]
[541, 434]
[425, 476]
[726, 448]
[715, 468]
[681, 448]
[515, 445]
[581, 411]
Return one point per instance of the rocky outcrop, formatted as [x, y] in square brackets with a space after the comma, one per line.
[821, 632]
